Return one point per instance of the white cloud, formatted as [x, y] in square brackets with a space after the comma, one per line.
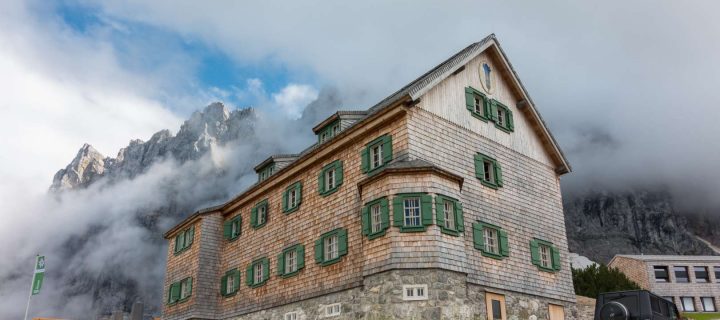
[293, 98]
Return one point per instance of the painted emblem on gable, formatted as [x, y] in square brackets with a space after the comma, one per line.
[487, 77]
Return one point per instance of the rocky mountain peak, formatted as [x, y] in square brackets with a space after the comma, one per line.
[82, 170]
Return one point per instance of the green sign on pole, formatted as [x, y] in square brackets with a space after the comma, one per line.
[39, 275]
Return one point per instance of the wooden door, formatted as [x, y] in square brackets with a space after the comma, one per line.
[495, 306]
[556, 312]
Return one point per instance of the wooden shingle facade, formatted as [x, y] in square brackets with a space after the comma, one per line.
[441, 201]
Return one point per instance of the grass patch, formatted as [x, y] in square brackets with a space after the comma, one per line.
[702, 315]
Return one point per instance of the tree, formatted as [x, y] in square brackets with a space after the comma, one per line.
[594, 279]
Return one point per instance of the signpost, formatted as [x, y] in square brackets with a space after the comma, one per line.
[37, 280]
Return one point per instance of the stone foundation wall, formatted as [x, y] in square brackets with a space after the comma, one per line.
[450, 296]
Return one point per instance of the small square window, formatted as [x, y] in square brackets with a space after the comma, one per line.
[701, 274]
[333, 310]
[412, 212]
[415, 292]
[681, 274]
[661, 274]
[291, 316]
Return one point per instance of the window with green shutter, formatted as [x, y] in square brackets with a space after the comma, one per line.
[449, 215]
[331, 247]
[291, 260]
[375, 218]
[180, 291]
[230, 283]
[477, 103]
[412, 212]
[545, 255]
[258, 272]
[376, 154]
[184, 239]
[328, 131]
[502, 116]
[266, 172]
[491, 240]
[259, 214]
[292, 197]
[330, 178]
[232, 228]
[488, 170]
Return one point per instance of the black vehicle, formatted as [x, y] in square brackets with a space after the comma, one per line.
[634, 305]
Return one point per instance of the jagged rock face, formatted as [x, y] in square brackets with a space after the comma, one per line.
[215, 125]
[600, 225]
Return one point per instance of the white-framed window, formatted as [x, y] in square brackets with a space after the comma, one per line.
[332, 310]
[376, 156]
[330, 179]
[258, 273]
[501, 117]
[449, 215]
[479, 105]
[261, 214]
[230, 285]
[331, 248]
[415, 292]
[708, 304]
[490, 237]
[375, 218]
[292, 198]
[336, 129]
[185, 288]
[291, 262]
[323, 137]
[291, 316]
[411, 210]
[489, 171]
[688, 304]
[545, 256]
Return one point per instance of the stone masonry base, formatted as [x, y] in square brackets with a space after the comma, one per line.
[381, 297]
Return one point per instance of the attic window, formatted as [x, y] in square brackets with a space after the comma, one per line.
[502, 116]
[266, 172]
[329, 131]
[477, 103]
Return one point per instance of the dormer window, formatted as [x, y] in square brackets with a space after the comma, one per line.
[266, 172]
[329, 131]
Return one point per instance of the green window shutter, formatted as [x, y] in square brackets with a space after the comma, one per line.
[398, 211]
[249, 275]
[319, 250]
[459, 219]
[534, 252]
[338, 174]
[555, 258]
[387, 148]
[478, 239]
[281, 263]
[510, 121]
[366, 220]
[487, 106]
[321, 181]
[227, 229]
[266, 267]
[504, 245]
[342, 242]
[175, 292]
[190, 284]
[479, 168]
[469, 99]
[285, 201]
[189, 236]
[498, 174]
[426, 210]
[223, 285]
[384, 213]
[254, 217]
[439, 209]
[178, 243]
[238, 222]
[493, 110]
[298, 187]
[300, 256]
[365, 160]
[236, 279]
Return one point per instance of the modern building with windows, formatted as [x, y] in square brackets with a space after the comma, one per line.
[441, 201]
[691, 282]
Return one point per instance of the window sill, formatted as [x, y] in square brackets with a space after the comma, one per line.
[479, 116]
[376, 234]
[413, 229]
[259, 225]
[256, 285]
[489, 184]
[232, 238]
[504, 129]
[541, 268]
[450, 232]
[228, 295]
[178, 301]
[374, 171]
[291, 274]
[492, 255]
[291, 210]
[331, 191]
[177, 253]
[329, 262]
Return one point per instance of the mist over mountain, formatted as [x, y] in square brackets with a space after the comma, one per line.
[104, 217]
